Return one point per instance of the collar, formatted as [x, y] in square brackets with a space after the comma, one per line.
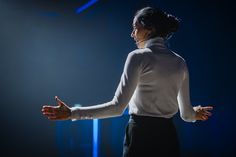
[157, 41]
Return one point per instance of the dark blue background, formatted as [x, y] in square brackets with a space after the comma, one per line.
[46, 49]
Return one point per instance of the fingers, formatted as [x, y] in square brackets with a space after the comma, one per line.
[207, 113]
[51, 114]
[203, 112]
[199, 107]
[54, 116]
[49, 109]
[202, 117]
[60, 103]
[48, 114]
[46, 107]
[60, 112]
[207, 108]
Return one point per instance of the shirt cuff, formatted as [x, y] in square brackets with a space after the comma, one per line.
[77, 113]
[73, 116]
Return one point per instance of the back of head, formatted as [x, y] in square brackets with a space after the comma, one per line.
[160, 23]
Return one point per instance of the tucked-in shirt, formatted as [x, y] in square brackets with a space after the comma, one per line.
[154, 82]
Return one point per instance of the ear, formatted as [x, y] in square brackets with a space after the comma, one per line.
[148, 34]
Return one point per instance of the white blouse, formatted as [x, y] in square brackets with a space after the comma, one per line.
[155, 82]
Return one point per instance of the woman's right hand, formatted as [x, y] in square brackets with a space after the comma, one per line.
[59, 112]
[202, 113]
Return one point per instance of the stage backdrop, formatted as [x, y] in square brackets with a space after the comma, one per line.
[76, 49]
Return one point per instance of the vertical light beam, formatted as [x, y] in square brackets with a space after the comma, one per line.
[95, 138]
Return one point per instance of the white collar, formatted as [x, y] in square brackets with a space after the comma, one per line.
[155, 41]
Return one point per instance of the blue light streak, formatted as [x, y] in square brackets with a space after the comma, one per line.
[85, 6]
[95, 138]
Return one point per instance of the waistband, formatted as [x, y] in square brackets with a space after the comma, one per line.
[148, 119]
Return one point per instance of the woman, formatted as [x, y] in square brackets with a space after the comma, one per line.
[154, 85]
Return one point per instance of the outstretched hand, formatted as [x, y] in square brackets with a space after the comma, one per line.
[202, 113]
[59, 112]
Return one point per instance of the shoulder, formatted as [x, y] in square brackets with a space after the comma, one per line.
[181, 61]
[135, 57]
[138, 53]
[179, 57]
[141, 51]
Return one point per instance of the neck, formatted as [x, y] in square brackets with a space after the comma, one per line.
[141, 43]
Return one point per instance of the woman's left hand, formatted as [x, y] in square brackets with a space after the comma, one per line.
[202, 113]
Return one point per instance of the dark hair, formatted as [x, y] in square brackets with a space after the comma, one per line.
[161, 23]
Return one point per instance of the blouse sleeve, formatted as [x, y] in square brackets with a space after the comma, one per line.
[186, 110]
[123, 94]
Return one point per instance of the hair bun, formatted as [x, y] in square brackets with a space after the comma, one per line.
[161, 23]
[173, 23]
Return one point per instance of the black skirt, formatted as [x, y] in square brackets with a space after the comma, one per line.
[150, 137]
